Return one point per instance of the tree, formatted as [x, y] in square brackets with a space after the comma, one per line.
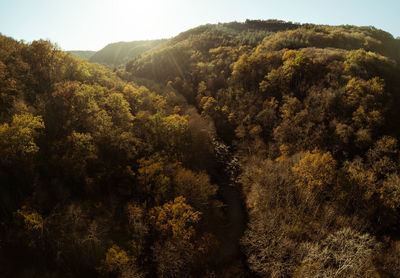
[196, 188]
[175, 219]
[17, 140]
[315, 172]
[153, 178]
[175, 253]
[345, 253]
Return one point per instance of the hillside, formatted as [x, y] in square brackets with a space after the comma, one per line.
[311, 112]
[254, 149]
[82, 54]
[116, 54]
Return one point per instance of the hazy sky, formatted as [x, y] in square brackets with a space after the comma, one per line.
[92, 24]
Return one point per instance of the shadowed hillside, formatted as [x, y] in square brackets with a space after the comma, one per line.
[119, 53]
[82, 54]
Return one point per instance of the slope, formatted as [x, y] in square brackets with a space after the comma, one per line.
[116, 54]
[82, 54]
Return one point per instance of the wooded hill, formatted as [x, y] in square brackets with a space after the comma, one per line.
[82, 54]
[115, 55]
[255, 149]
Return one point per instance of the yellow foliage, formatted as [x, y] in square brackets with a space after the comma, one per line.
[176, 122]
[285, 151]
[387, 144]
[116, 259]
[290, 108]
[255, 130]
[17, 139]
[83, 147]
[33, 220]
[196, 187]
[242, 65]
[358, 90]
[119, 109]
[315, 169]
[152, 177]
[390, 191]
[176, 218]
[363, 176]
[149, 168]
[289, 54]
[208, 104]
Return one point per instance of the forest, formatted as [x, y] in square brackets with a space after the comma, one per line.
[261, 148]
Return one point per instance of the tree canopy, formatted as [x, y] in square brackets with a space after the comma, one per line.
[263, 148]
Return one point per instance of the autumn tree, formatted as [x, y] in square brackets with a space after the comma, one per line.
[315, 172]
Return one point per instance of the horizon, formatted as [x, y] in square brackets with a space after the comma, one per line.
[91, 25]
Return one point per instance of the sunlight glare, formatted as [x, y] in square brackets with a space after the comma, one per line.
[144, 19]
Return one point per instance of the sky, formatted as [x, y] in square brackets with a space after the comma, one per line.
[92, 24]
